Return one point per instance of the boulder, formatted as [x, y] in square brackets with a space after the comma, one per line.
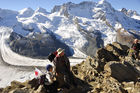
[106, 55]
[117, 49]
[86, 70]
[132, 87]
[121, 72]
[1, 89]
[21, 91]
[17, 84]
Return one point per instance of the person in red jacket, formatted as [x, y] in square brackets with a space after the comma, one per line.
[136, 47]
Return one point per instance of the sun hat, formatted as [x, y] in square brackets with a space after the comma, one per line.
[60, 50]
[136, 40]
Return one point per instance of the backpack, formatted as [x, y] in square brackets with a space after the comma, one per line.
[51, 56]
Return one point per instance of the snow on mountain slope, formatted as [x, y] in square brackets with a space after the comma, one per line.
[66, 22]
[72, 23]
[26, 12]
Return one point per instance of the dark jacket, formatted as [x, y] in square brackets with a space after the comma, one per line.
[136, 47]
[64, 76]
[62, 64]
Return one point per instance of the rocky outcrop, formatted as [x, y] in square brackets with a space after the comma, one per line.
[117, 49]
[106, 55]
[121, 71]
[26, 87]
[99, 81]
[101, 74]
[132, 87]
[125, 39]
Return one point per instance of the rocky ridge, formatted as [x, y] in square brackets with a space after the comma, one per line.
[85, 27]
[110, 71]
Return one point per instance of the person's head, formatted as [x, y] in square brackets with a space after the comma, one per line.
[60, 51]
[49, 68]
[135, 41]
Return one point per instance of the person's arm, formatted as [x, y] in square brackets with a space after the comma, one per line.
[139, 46]
[67, 62]
[132, 46]
[50, 77]
[54, 61]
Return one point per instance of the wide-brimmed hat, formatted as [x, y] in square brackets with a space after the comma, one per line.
[135, 39]
[60, 50]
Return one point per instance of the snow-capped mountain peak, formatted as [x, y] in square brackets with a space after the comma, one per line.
[83, 9]
[26, 12]
[103, 2]
[41, 10]
[131, 13]
[105, 6]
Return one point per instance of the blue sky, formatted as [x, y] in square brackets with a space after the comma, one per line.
[49, 4]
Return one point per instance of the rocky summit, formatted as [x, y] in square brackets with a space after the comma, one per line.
[110, 71]
[85, 27]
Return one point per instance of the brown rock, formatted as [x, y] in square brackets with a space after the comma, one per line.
[17, 84]
[1, 89]
[8, 89]
[120, 46]
[21, 91]
[137, 88]
[132, 87]
[34, 83]
[117, 49]
[129, 86]
[121, 72]
[106, 55]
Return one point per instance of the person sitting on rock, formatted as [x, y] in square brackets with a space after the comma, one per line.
[136, 47]
[47, 80]
[62, 67]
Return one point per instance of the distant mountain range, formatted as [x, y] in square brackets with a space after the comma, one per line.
[78, 28]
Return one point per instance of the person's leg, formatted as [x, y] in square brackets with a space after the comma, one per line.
[60, 80]
[137, 55]
[134, 56]
[46, 87]
[54, 86]
[72, 79]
